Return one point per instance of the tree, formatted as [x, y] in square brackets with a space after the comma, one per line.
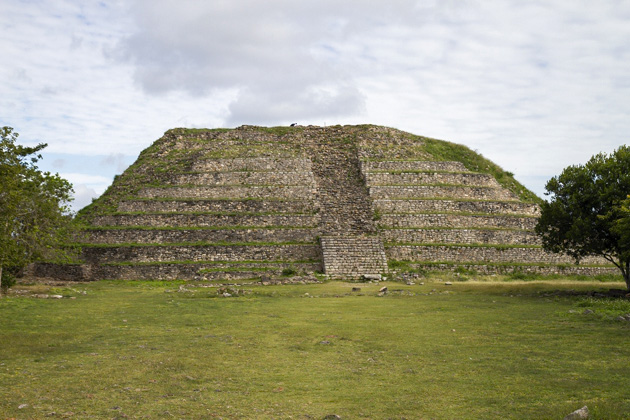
[34, 213]
[588, 211]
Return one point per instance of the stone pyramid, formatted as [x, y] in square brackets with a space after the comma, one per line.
[277, 203]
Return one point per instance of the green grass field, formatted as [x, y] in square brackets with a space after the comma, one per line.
[471, 350]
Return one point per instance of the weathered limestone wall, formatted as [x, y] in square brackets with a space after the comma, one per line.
[460, 236]
[165, 271]
[244, 178]
[227, 206]
[516, 268]
[259, 164]
[122, 236]
[416, 165]
[448, 206]
[471, 254]
[469, 179]
[455, 221]
[205, 220]
[202, 253]
[233, 192]
[427, 191]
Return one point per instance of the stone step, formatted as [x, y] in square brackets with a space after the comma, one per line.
[460, 236]
[490, 207]
[233, 192]
[145, 236]
[205, 220]
[241, 206]
[353, 256]
[480, 254]
[416, 165]
[412, 191]
[176, 253]
[470, 179]
[270, 164]
[455, 221]
[244, 178]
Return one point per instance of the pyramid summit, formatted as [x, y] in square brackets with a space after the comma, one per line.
[282, 202]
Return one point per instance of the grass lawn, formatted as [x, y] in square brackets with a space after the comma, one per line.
[471, 350]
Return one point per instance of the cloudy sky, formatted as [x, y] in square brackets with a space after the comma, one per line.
[535, 86]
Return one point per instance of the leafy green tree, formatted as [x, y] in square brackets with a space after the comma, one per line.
[587, 214]
[34, 214]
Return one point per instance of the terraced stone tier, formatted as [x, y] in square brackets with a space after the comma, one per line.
[421, 253]
[460, 236]
[482, 268]
[241, 206]
[126, 236]
[417, 165]
[420, 206]
[455, 221]
[428, 191]
[252, 164]
[205, 220]
[244, 178]
[405, 178]
[201, 253]
[224, 272]
[232, 192]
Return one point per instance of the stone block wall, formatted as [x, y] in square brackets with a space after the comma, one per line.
[405, 178]
[428, 191]
[268, 164]
[159, 236]
[235, 192]
[286, 253]
[460, 236]
[207, 220]
[453, 206]
[227, 206]
[388, 221]
[415, 165]
[485, 254]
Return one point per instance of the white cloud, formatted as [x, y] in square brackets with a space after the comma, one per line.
[83, 196]
[535, 86]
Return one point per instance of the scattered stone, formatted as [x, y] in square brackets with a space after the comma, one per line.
[383, 289]
[410, 283]
[356, 289]
[21, 406]
[448, 283]
[582, 413]
[421, 284]
[371, 277]
[226, 294]
[587, 311]
[324, 342]
[332, 417]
